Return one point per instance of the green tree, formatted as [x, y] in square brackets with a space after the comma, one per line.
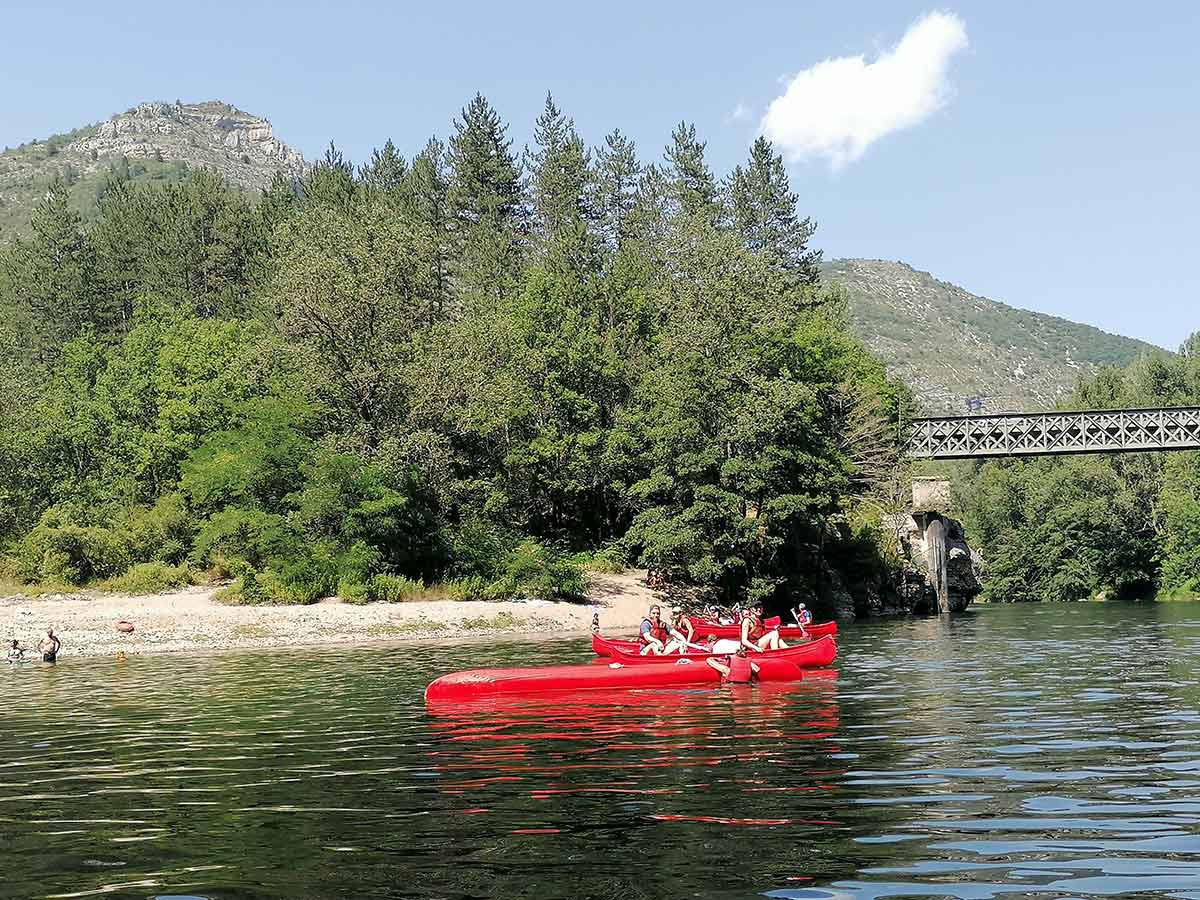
[486, 202]
[616, 189]
[692, 186]
[427, 206]
[331, 181]
[387, 171]
[763, 211]
[563, 217]
[346, 287]
[48, 279]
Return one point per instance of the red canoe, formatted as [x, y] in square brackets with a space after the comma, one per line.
[477, 683]
[813, 654]
[603, 646]
[817, 629]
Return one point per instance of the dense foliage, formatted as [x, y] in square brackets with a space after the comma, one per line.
[1125, 525]
[459, 368]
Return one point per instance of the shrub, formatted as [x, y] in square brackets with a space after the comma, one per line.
[60, 550]
[534, 571]
[244, 534]
[302, 581]
[352, 591]
[149, 578]
[609, 560]
[474, 588]
[159, 533]
[395, 589]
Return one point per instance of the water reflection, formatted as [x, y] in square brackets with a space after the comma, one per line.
[1016, 752]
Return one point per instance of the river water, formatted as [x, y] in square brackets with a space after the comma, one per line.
[1034, 751]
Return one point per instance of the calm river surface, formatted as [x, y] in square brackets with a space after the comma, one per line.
[1016, 752]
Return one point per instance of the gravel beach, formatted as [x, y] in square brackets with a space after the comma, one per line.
[190, 620]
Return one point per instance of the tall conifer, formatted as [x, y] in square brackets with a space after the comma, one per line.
[764, 212]
[485, 199]
[693, 187]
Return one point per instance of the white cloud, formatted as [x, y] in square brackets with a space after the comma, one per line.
[740, 113]
[837, 108]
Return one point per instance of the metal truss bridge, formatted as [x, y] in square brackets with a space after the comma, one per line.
[1052, 433]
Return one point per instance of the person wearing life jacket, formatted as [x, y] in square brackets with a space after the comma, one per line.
[653, 633]
[681, 632]
[755, 635]
[736, 668]
[803, 618]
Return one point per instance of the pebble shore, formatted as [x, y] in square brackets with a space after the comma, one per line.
[191, 620]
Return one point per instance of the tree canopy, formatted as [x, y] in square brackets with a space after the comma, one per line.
[462, 366]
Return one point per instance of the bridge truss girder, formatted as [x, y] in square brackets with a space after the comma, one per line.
[1055, 433]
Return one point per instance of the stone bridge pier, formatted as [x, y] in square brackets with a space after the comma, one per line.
[942, 577]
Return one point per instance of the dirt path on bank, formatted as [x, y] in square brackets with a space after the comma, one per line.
[190, 620]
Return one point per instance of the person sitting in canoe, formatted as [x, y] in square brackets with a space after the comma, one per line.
[735, 668]
[680, 631]
[803, 618]
[653, 633]
[756, 635]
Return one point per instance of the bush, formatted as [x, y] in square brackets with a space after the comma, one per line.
[248, 535]
[609, 560]
[352, 591]
[303, 581]
[159, 533]
[534, 571]
[474, 588]
[57, 549]
[395, 589]
[149, 578]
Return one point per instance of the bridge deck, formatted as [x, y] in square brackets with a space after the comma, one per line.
[1049, 433]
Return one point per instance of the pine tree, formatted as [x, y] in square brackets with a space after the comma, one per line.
[693, 188]
[386, 172]
[485, 198]
[331, 181]
[426, 204]
[763, 212]
[49, 277]
[617, 174]
[562, 208]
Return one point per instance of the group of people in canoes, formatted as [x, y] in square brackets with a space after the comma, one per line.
[678, 634]
[48, 649]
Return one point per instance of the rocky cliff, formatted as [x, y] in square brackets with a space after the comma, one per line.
[152, 141]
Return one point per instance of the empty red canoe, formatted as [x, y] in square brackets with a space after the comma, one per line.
[813, 654]
[477, 683]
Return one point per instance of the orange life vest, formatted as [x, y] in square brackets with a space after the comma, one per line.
[658, 630]
[757, 629]
[739, 670]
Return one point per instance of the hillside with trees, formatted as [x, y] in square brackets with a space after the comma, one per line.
[464, 370]
[952, 346]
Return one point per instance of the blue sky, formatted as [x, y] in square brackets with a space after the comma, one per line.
[1056, 171]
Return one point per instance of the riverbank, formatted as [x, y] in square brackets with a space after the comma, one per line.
[190, 619]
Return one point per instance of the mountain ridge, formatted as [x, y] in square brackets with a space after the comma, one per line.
[962, 352]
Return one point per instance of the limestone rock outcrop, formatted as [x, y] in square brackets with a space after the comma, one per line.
[214, 135]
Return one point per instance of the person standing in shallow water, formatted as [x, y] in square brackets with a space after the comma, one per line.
[50, 646]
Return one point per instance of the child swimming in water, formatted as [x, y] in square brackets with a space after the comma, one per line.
[15, 654]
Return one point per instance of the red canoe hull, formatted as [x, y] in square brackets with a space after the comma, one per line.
[617, 648]
[813, 654]
[478, 683]
[817, 629]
